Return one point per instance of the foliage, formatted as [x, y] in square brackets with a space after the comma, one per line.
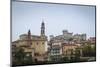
[20, 57]
[89, 51]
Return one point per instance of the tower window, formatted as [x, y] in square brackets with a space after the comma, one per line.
[37, 43]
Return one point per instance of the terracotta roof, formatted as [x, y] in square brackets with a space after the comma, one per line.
[67, 44]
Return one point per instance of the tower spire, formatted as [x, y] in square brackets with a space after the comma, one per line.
[29, 37]
[29, 33]
[42, 28]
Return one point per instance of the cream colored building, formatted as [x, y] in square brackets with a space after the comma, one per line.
[34, 44]
[66, 48]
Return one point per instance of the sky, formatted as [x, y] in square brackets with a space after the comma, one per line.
[57, 17]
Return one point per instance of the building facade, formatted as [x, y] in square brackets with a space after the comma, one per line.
[55, 51]
[33, 44]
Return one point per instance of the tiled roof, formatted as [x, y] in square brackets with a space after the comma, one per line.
[67, 44]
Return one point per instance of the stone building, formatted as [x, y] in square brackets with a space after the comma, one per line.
[33, 44]
[67, 47]
[79, 37]
[92, 41]
[64, 44]
[66, 36]
[55, 51]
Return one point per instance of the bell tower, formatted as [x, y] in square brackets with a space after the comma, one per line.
[29, 37]
[29, 34]
[42, 28]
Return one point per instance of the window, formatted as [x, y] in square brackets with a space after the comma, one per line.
[31, 43]
[37, 43]
[42, 42]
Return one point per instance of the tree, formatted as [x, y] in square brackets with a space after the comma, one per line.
[77, 55]
[93, 51]
[21, 58]
[89, 51]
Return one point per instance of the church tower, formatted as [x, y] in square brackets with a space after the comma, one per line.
[29, 34]
[29, 37]
[42, 28]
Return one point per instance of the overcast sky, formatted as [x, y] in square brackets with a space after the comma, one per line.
[74, 18]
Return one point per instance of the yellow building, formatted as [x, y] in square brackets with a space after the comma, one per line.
[66, 48]
[34, 44]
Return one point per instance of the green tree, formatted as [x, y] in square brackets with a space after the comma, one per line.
[21, 58]
[89, 51]
[77, 55]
